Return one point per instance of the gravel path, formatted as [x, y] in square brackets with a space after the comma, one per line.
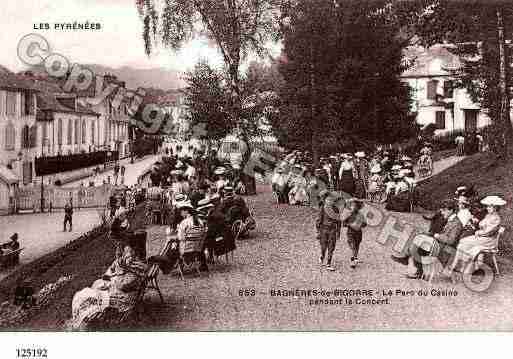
[282, 254]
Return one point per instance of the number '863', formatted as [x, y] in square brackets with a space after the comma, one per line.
[247, 292]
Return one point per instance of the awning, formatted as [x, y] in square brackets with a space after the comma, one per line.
[8, 176]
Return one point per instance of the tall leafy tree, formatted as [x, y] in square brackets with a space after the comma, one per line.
[341, 67]
[205, 96]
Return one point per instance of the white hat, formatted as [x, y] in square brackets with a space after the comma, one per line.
[220, 171]
[376, 169]
[405, 171]
[396, 167]
[493, 201]
[184, 205]
[405, 158]
[360, 154]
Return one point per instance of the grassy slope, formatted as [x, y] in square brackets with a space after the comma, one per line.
[481, 170]
[86, 259]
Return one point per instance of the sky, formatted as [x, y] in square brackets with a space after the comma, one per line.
[119, 43]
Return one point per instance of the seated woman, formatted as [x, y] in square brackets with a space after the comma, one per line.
[113, 294]
[484, 238]
[399, 199]
[297, 184]
[191, 224]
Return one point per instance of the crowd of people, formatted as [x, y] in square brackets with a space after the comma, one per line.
[386, 176]
[462, 229]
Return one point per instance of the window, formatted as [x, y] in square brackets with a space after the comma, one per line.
[92, 132]
[44, 129]
[11, 103]
[25, 137]
[70, 131]
[76, 131]
[33, 136]
[10, 136]
[2, 102]
[440, 120]
[83, 132]
[448, 89]
[59, 131]
[27, 172]
[431, 89]
[29, 103]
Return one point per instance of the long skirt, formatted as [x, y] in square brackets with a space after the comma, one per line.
[347, 183]
[469, 247]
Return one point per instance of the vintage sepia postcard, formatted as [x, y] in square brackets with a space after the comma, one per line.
[255, 165]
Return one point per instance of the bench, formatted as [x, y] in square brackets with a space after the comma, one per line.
[10, 258]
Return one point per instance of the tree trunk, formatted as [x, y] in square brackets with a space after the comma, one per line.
[503, 127]
[313, 108]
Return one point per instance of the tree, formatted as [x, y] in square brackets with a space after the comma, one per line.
[479, 34]
[341, 67]
[237, 27]
[205, 97]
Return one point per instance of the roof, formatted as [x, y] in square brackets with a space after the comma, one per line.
[10, 80]
[8, 176]
[48, 98]
[434, 61]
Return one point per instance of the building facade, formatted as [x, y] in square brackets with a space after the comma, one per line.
[435, 98]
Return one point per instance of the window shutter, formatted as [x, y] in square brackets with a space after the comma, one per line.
[440, 120]
[431, 89]
[33, 136]
[448, 89]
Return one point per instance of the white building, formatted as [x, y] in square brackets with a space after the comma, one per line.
[435, 100]
[18, 135]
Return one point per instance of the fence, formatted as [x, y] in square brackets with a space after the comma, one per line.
[56, 197]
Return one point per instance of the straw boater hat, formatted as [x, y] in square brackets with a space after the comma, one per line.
[185, 206]
[396, 167]
[228, 191]
[323, 193]
[405, 159]
[204, 204]
[220, 171]
[405, 171]
[463, 200]
[493, 201]
[180, 197]
[176, 172]
[376, 169]
[360, 154]
[408, 165]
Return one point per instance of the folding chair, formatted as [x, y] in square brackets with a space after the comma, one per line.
[492, 252]
[191, 249]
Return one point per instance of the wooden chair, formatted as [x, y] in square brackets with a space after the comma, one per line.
[10, 258]
[191, 249]
[491, 252]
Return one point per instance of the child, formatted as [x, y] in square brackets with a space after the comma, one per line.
[328, 228]
[375, 183]
[354, 223]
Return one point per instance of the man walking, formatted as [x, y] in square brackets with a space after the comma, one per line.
[68, 215]
[116, 173]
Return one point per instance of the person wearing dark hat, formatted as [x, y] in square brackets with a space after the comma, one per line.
[14, 245]
[354, 222]
[68, 215]
[328, 227]
[441, 245]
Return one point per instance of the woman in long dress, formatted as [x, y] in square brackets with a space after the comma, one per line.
[346, 182]
[484, 238]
